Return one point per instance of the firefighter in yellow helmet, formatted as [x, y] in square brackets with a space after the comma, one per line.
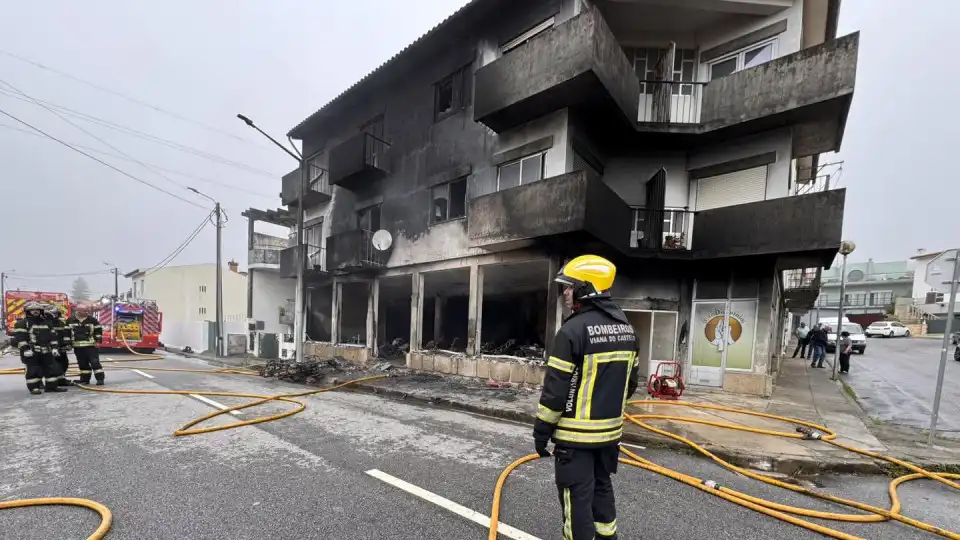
[591, 372]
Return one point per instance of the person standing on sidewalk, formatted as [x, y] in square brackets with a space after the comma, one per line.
[818, 342]
[803, 339]
[846, 346]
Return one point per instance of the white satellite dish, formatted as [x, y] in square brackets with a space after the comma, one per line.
[382, 240]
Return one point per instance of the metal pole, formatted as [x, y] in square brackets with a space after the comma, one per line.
[116, 282]
[298, 329]
[219, 299]
[836, 347]
[943, 350]
[3, 299]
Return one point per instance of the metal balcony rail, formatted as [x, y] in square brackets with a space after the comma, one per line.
[888, 276]
[370, 255]
[374, 151]
[318, 180]
[665, 229]
[316, 257]
[860, 300]
[670, 102]
[804, 278]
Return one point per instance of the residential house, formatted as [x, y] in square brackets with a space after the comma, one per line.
[932, 303]
[447, 187]
[871, 291]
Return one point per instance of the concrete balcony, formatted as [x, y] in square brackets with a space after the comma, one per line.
[567, 210]
[353, 251]
[359, 160]
[264, 258]
[578, 62]
[801, 232]
[318, 189]
[316, 263]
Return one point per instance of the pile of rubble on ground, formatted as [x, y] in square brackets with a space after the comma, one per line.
[511, 347]
[455, 345]
[310, 371]
[395, 349]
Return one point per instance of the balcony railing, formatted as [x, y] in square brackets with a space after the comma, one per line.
[359, 159]
[661, 229]
[803, 278]
[867, 278]
[316, 258]
[877, 300]
[264, 256]
[670, 102]
[353, 250]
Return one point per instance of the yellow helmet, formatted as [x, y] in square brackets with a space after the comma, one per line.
[588, 275]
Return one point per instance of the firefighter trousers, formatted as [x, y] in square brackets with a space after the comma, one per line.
[62, 362]
[586, 491]
[88, 360]
[40, 366]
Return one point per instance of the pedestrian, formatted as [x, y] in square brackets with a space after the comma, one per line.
[36, 340]
[846, 345]
[592, 362]
[803, 339]
[87, 333]
[818, 341]
[64, 338]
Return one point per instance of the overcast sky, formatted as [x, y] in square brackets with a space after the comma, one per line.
[279, 61]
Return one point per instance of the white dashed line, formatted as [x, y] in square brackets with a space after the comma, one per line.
[142, 374]
[209, 401]
[462, 511]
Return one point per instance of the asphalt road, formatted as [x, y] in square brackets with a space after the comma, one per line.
[307, 477]
[896, 379]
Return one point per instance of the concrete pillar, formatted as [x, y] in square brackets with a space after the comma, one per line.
[475, 310]
[335, 312]
[554, 307]
[416, 309]
[373, 309]
[381, 320]
[249, 293]
[439, 310]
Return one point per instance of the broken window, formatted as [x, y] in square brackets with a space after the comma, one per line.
[353, 312]
[368, 219]
[393, 317]
[521, 171]
[450, 94]
[449, 201]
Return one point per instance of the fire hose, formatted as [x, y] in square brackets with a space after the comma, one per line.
[786, 513]
[806, 430]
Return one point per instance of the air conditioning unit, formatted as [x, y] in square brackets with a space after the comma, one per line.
[253, 324]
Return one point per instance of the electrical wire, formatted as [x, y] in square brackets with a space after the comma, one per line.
[71, 274]
[154, 166]
[183, 245]
[142, 135]
[100, 161]
[130, 99]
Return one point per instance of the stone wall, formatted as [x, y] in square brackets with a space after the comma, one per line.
[498, 368]
[757, 384]
[354, 354]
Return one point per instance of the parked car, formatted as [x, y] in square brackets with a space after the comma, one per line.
[856, 336]
[887, 329]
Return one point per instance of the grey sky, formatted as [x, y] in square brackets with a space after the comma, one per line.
[278, 62]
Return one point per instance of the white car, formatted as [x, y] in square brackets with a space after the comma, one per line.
[857, 338]
[887, 329]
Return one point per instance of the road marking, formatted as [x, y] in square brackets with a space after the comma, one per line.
[108, 358]
[462, 511]
[142, 374]
[637, 446]
[209, 401]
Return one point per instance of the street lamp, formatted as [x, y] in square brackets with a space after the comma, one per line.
[218, 325]
[298, 326]
[846, 248]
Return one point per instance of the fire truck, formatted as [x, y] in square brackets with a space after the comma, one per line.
[138, 322]
[13, 302]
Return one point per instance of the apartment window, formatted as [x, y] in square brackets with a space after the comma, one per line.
[647, 60]
[449, 95]
[313, 235]
[526, 36]
[752, 56]
[203, 288]
[521, 171]
[448, 201]
[368, 219]
[202, 311]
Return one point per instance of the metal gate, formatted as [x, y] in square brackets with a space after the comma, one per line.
[269, 346]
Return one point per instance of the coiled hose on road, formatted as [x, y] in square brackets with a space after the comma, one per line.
[779, 511]
[776, 510]
[106, 518]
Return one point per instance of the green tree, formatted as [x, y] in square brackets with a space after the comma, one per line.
[81, 291]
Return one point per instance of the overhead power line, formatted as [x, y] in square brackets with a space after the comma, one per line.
[183, 245]
[51, 276]
[143, 135]
[121, 171]
[152, 165]
[121, 95]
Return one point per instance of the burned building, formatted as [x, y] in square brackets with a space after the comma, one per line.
[672, 138]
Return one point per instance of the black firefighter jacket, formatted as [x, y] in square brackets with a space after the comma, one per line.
[592, 370]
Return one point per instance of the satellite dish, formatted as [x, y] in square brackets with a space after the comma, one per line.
[382, 240]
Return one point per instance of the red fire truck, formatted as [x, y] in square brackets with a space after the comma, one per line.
[13, 302]
[139, 322]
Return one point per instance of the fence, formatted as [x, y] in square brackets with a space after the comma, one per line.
[670, 102]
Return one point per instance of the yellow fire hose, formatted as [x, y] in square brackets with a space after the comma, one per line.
[780, 511]
[106, 518]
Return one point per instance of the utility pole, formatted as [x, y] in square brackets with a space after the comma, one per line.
[300, 303]
[218, 324]
[116, 282]
[3, 299]
[846, 248]
[954, 259]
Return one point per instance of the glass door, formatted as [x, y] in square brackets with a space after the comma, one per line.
[710, 336]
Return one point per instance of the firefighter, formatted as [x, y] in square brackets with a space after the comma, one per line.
[65, 338]
[591, 372]
[36, 339]
[87, 333]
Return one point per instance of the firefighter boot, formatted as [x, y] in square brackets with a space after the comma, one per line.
[36, 391]
[99, 376]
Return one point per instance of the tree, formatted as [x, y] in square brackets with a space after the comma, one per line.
[81, 291]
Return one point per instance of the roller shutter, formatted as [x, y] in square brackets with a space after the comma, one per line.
[741, 187]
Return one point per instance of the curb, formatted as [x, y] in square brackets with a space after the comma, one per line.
[767, 463]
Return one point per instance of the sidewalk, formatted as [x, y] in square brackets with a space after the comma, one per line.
[801, 392]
